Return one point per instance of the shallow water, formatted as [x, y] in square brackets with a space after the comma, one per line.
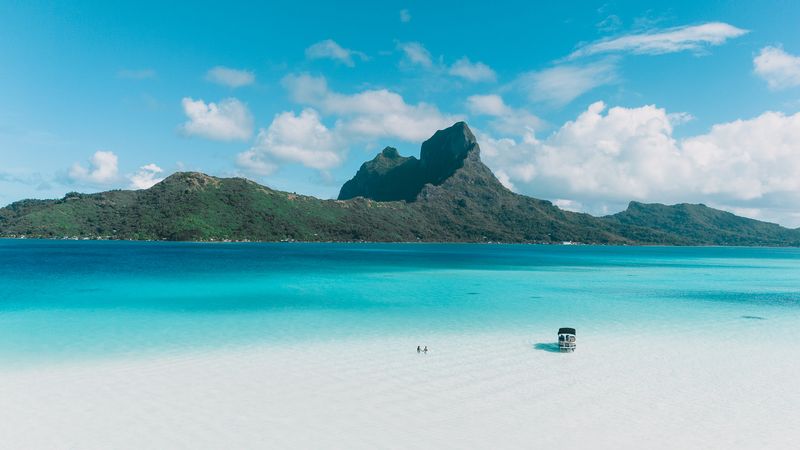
[67, 300]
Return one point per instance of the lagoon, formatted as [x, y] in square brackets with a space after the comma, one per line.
[324, 335]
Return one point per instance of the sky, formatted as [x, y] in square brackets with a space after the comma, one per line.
[587, 104]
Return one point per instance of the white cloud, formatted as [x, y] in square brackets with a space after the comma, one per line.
[691, 38]
[468, 70]
[146, 176]
[780, 69]
[137, 74]
[605, 158]
[230, 77]
[369, 114]
[560, 85]
[102, 169]
[225, 121]
[490, 105]
[506, 120]
[293, 138]
[512, 160]
[416, 54]
[254, 161]
[412, 123]
[405, 16]
[359, 118]
[749, 159]
[329, 49]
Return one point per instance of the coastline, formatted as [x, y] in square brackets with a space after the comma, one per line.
[555, 244]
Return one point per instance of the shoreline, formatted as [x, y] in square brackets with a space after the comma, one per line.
[543, 244]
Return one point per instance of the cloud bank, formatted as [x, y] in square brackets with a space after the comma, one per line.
[358, 119]
[606, 157]
[372, 113]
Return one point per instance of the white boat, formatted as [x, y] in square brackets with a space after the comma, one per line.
[566, 340]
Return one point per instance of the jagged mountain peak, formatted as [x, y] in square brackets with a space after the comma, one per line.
[454, 142]
[390, 152]
[446, 151]
[387, 177]
[391, 177]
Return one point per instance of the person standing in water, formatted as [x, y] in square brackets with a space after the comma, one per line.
[418, 349]
[426, 350]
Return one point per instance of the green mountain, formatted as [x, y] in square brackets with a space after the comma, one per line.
[701, 225]
[195, 206]
[446, 195]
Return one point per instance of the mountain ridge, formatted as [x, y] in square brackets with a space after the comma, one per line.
[391, 177]
[445, 195]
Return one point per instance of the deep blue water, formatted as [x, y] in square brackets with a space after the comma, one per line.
[76, 299]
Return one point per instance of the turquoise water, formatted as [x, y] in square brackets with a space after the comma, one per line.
[67, 300]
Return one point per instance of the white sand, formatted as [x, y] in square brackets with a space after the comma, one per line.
[486, 391]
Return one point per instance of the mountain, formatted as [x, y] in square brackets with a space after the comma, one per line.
[391, 177]
[195, 206]
[388, 177]
[701, 225]
[447, 195]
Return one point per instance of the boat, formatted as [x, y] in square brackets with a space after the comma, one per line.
[566, 340]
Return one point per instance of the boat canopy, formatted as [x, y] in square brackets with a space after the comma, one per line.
[566, 331]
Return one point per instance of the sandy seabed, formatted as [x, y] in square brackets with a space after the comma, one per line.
[676, 389]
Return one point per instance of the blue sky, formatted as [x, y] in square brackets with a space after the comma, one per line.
[587, 104]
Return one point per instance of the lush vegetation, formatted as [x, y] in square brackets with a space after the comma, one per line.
[447, 195]
[701, 225]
